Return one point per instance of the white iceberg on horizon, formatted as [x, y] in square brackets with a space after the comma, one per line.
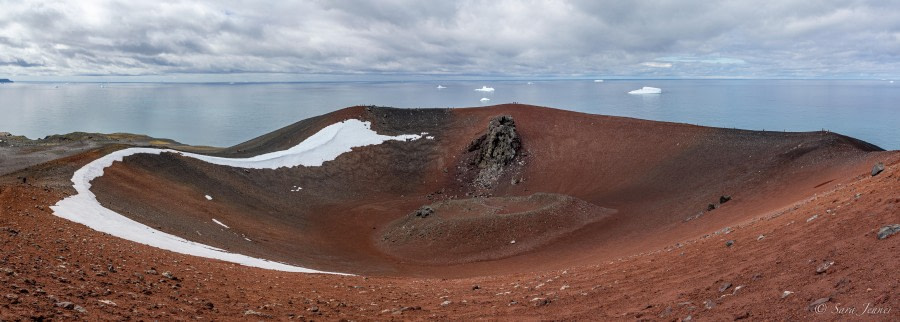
[441, 87]
[484, 89]
[485, 99]
[598, 81]
[646, 90]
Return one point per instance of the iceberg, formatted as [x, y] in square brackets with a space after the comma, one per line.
[441, 87]
[484, 89]
[598, 81]
[485, 99]
[646, 90]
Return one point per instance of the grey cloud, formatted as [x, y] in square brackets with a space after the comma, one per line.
[490, 38]
[19, 63]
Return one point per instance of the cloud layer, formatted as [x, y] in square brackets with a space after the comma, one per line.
[482, 38]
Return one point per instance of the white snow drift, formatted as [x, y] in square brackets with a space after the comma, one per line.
[325, 145]
[646, 90]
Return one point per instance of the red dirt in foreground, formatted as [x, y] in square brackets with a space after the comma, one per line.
[801, 200]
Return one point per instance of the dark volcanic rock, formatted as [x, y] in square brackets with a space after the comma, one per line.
[816, 303]
[824, 267]
[66, 305]
[877, 168]
[724, 287]
[724, 199]
[888, 230]
[424, 212]
[495, 150]
[497, 147]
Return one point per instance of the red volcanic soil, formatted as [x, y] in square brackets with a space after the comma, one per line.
[610, 218]
[491, 228]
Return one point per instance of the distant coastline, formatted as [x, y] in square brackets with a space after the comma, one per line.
[5, 80]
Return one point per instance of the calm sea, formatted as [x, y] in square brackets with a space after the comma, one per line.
[227, 114]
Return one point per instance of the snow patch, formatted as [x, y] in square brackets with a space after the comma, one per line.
[646, 90]
[220, 223]
[296, 188]
[322, 146]
[484, 89]
[208, 197]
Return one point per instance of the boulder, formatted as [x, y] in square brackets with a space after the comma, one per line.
[877, 168]
[888, 230]
[724, 287]
[424, 212]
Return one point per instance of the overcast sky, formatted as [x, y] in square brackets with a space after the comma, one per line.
[297, 40]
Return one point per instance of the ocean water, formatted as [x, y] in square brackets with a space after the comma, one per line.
[224, 114]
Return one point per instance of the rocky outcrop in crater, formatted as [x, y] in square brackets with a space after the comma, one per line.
[495, 150]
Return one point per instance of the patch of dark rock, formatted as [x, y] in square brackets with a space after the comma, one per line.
[824, 267]
[711, 207]
[539, 301]
[724, 199]
[499, 145]
[495, 150]
[814, 304]
[11, 231]
[66, 305]
[724, 287]
[888, 230]
[729, 243]
[424, 212]
[878, 168]
[169, 276]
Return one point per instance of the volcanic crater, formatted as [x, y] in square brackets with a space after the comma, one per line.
[513, 188]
